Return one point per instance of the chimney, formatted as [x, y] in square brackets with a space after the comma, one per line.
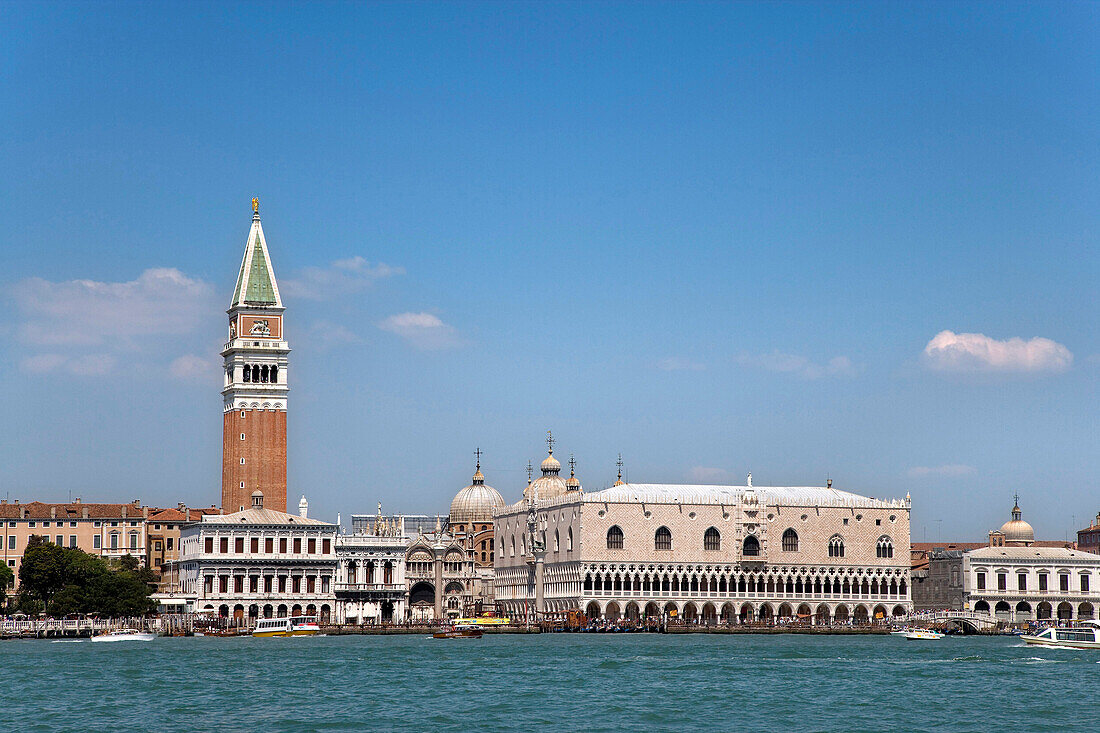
[123, 511]
[181, 506]
[84, 512]
[76, 500]
[145, 512]
[136, 502]
[53, 512]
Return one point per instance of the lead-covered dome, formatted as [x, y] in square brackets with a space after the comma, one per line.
[476, 502]
[1016, 530]
[550, 483]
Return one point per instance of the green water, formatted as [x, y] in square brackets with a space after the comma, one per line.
[549, 682]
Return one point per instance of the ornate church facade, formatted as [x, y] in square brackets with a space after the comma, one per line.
[707, 553]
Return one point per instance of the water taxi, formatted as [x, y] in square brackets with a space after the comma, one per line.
[923, 635]
[1073, 637]
[125, 635]
[456, 631]
[292, 626]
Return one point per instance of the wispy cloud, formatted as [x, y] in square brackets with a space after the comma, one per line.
[86, 365]
[422, 330]
[336, 279]
[708, 475]
[969, 353]
[799, 366]
[950, 470]
[191, 367]
[83, 327]
[327, 335]
[679, 364]
[160, 302]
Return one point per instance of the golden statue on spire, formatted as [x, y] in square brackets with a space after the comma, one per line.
[255, 205]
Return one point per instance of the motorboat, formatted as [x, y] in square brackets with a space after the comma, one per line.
[1083, 636]
[457, 631]
[923, 635]
[288, 626]
[125, 635]
[485, 619]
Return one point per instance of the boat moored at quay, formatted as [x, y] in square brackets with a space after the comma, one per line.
[289, 626]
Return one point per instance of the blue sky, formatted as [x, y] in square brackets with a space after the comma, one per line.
[715, 238]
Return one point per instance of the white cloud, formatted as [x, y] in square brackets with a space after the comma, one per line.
[160, 302]
[327, 335]
[190, 367]
[86, 365]
[336, 279]
[708, 475]
[975, 352]
[800, 366]
[678, 364]
[947, 470]
[422, 330]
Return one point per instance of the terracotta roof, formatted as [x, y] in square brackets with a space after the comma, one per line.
[186, 514]
[70, 510]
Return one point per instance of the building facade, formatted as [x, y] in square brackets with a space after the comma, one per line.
[1019, 580]
[1088, 539]
[370, 578]
[709, 553]
[259, 563]
[255, 388]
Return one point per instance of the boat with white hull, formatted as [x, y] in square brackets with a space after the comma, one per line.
[923, 635]
[1084, 636]
[292, 626]
[125, 635]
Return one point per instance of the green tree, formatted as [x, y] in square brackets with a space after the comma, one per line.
[43, 571]
[7, 576]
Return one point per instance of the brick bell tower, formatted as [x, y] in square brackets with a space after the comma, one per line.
[255, 392]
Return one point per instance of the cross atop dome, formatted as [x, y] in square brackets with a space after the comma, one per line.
[550, 441]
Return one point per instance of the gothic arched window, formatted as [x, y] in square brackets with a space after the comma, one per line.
[615, 538]
[662, 540]
[247, 373]
[751, 548]
[790, 541]
[274, 374]
[712, 540]
[884, 548]
[836, 546]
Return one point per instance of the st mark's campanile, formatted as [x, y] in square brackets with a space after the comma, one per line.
[255, 392]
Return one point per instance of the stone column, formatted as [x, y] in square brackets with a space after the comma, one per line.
[438, 586]
[540, 592]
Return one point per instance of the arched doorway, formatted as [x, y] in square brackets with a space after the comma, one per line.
[1002, 611]
[652, 610]
[282, 610]
[821, 618]
[1085, 610]
[1023, 611]
[422, 601]
[860, 616]
[804, 614]
[671, 610]
[1065, 611]
[253, 612]
[1043, 611]
[592, 610]
[765, 614]
[785, 611]
[387, 612]
[981, 607]
[746, 614]
[269, 610]
[690, 612]
[899, 610]
[296, 610]
[326, 613]
[710, 614]
[223, 611]
[612, 612]
[727, 613]
[841, 614]
[632, 611]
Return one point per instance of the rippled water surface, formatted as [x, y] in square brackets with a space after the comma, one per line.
[550, 682]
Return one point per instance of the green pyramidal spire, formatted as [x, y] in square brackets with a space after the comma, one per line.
[256, 285]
